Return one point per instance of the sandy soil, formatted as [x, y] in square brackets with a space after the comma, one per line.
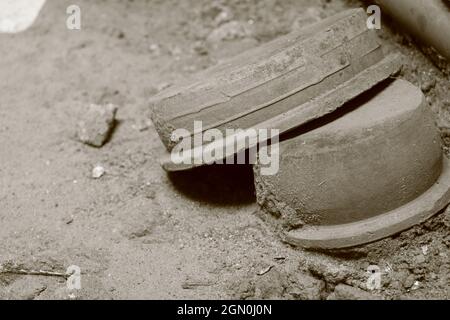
[138, 232]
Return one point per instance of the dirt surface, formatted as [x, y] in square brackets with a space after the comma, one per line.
[137, 232]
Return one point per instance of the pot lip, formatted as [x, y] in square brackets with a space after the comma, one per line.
[293, 118]
[353, 234]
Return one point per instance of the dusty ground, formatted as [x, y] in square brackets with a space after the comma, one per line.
[137, 232]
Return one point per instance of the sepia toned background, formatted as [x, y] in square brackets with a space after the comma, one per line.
[137, 232]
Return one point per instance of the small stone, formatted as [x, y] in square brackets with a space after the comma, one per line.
[96, 124]
[98, 172]
[416, 285]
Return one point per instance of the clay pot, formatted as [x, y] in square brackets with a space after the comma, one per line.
[272, 86]
[366, 174]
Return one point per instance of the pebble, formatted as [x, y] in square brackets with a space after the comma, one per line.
[416, 285]
[98, 172]
[96, 124]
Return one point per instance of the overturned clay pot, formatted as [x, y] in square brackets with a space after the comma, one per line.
[360, 176]
[273, 85]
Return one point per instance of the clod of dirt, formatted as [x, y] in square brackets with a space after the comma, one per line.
[345, 292]
[270, 285]
[329, 270]
[305, 287]
[97, 124]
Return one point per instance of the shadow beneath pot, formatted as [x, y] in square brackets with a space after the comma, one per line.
[221, 185]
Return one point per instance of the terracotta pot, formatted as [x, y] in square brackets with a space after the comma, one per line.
[273, 85]
[369, 173]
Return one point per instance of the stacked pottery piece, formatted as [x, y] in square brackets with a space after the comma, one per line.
[374, 171]
[353, 168]
[281, 84]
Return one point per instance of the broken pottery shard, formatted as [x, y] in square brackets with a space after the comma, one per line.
[278, 77]
[96, 124]
[372, 170]
[295, 117]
